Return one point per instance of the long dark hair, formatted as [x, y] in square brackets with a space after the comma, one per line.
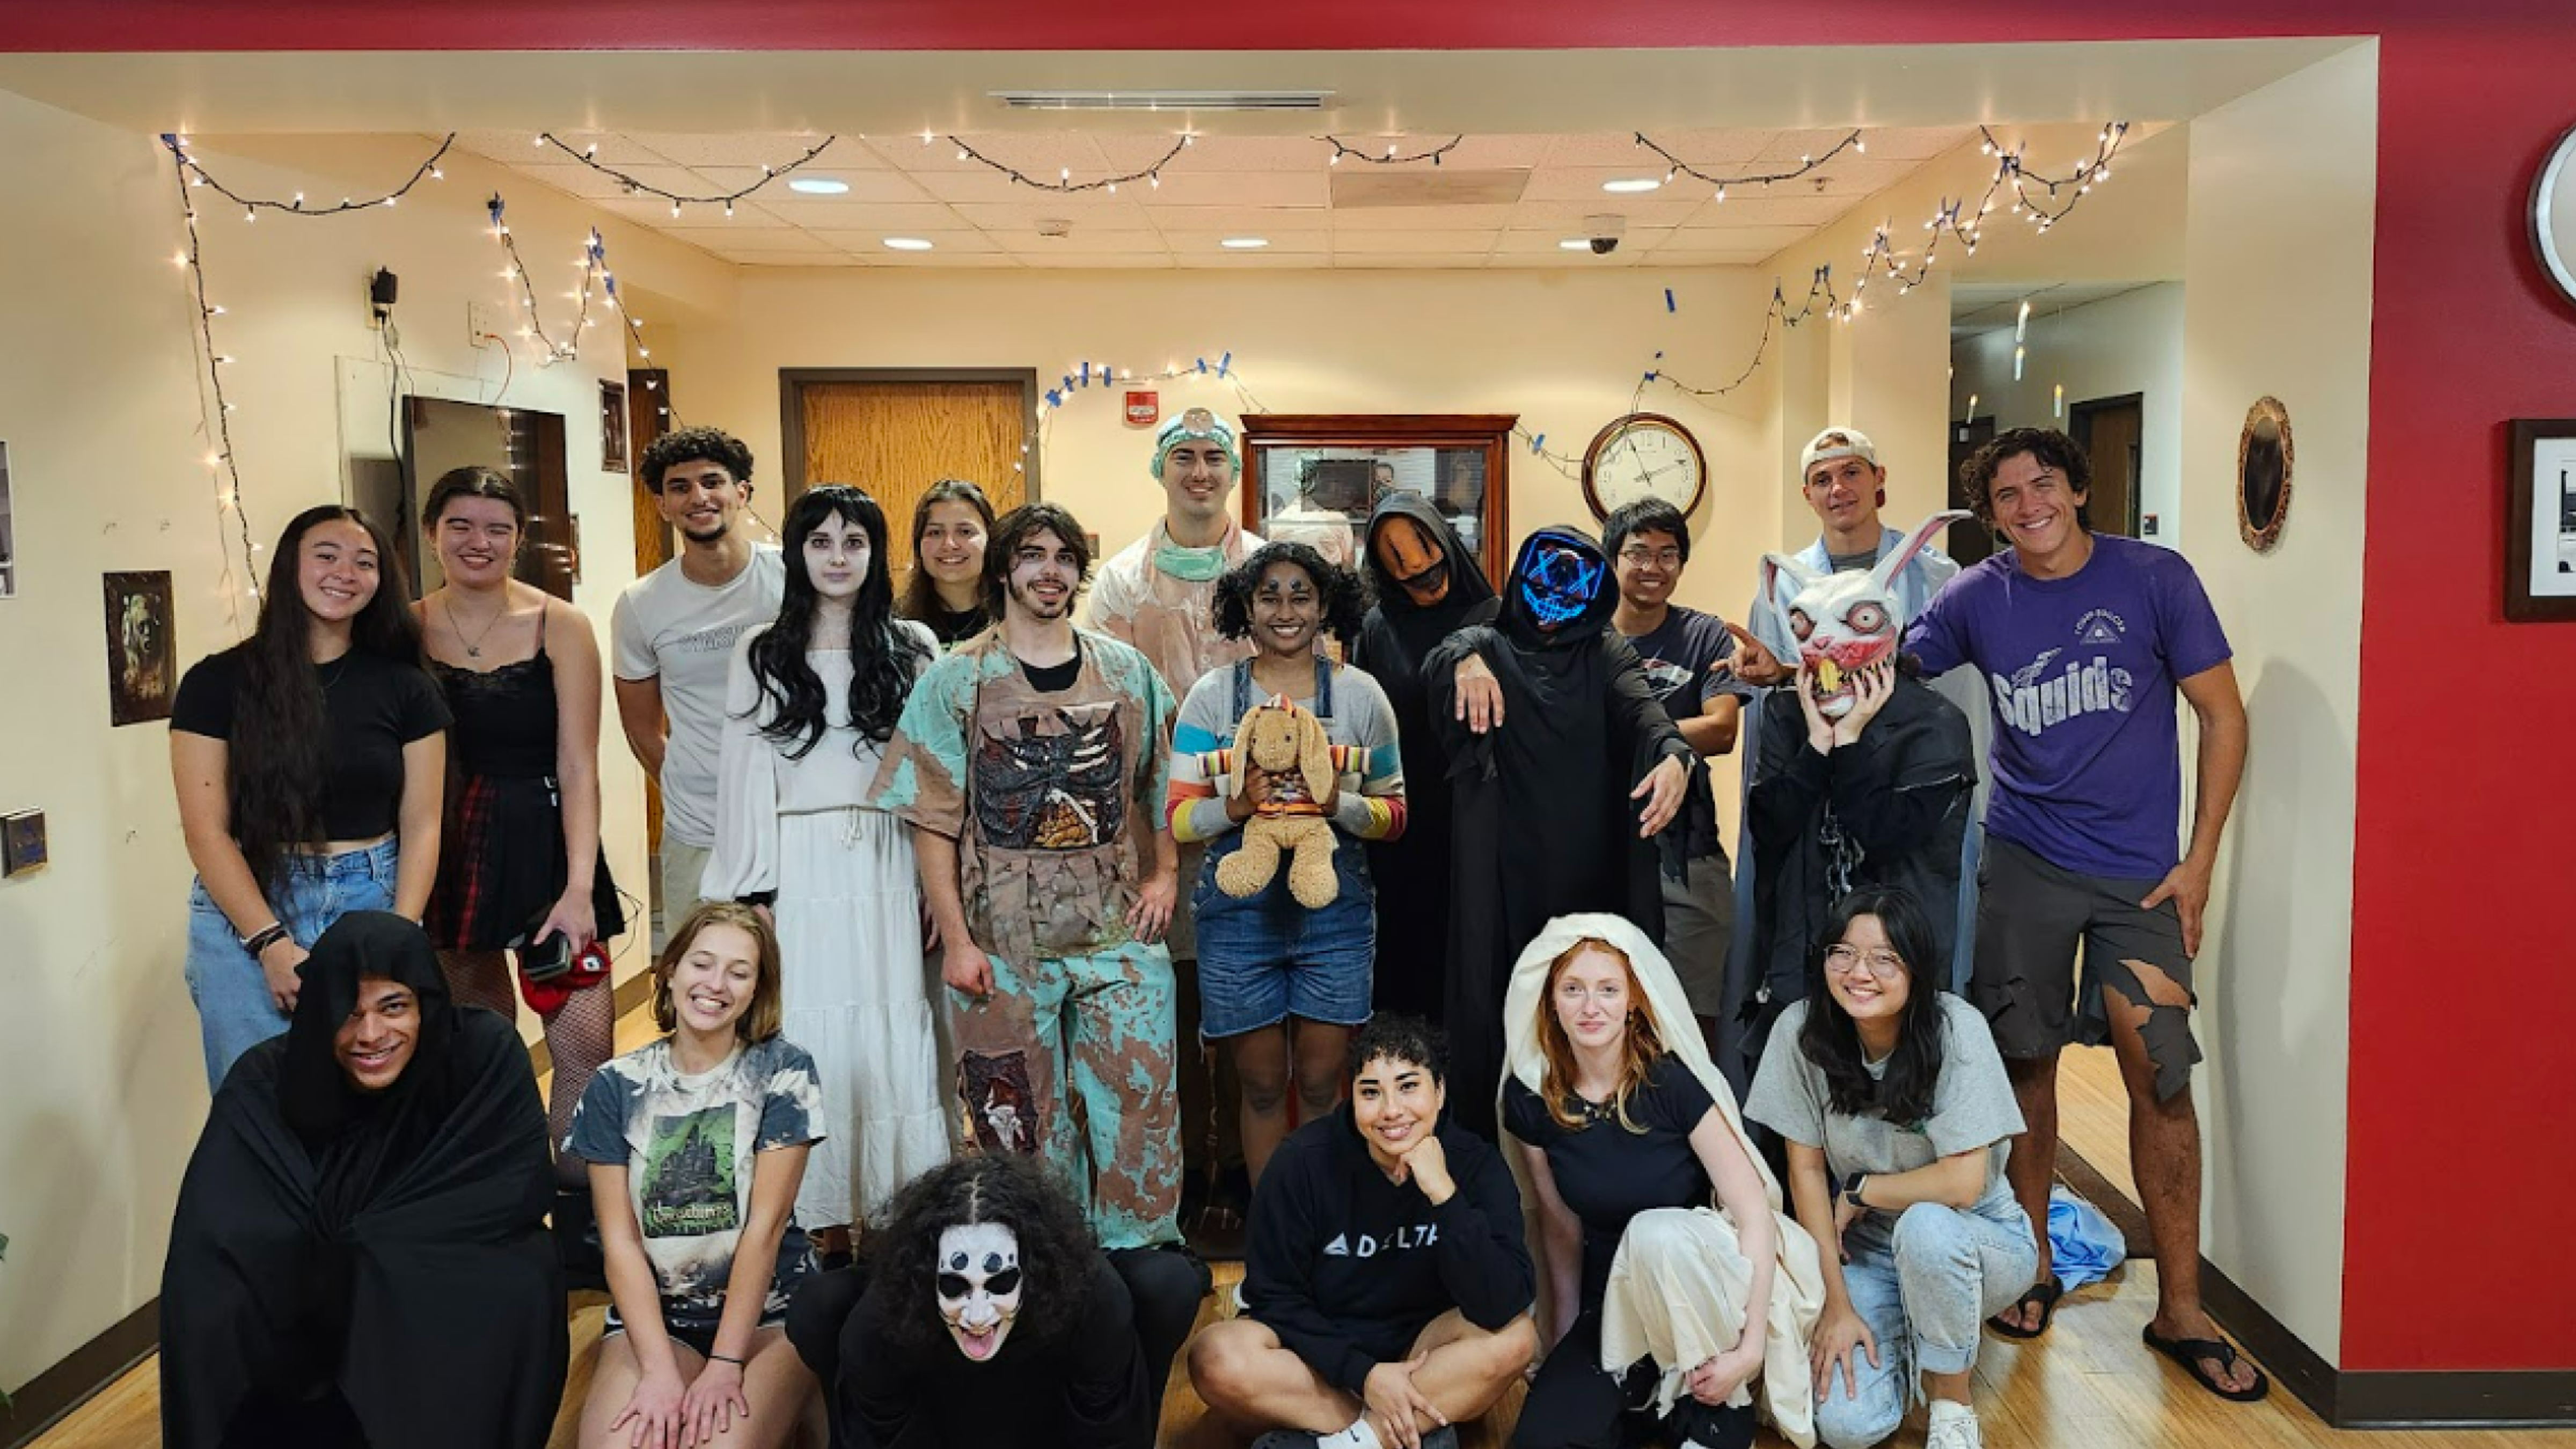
[920, 592]
[884, 658]
[273, 760]
[1903, 1094]
[1340, 602]
[1057, 1255]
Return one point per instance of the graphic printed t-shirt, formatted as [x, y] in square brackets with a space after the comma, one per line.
[1607, 1174]
[683, 633]
[371, 707]
[687, 1145]
[1972, 1105]
[1677, 656]
[2081, 672]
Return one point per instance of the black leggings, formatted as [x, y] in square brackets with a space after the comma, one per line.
[1574, 1405]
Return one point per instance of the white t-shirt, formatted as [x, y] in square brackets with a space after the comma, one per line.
[683, 633]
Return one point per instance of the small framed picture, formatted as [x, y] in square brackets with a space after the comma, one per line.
[2540, 522]
[612, 427]
[22, 841]
[142, 660]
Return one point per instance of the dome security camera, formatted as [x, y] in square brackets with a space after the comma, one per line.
[1605, 231]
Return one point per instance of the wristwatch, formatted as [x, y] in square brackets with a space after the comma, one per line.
[1851, 1194]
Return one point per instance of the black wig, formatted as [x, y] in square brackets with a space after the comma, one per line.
[884, 657]
[1057, 1254]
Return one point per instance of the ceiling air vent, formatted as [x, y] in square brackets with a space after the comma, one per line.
[1162, 100]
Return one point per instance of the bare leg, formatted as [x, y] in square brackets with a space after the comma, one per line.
[2033, 1164]
[1244, 1373]
[2164, 1155]
[1467, 1368]
[1322, 1063]
[781, 1390]
[1261, 1065]
[612, 1383]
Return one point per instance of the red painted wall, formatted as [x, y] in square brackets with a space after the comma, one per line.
[2462, 1149]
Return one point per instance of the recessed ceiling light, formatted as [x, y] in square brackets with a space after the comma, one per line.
[1244, 243]
[908, 243]
[1626, 184]
[817, 185]
[1575, 244]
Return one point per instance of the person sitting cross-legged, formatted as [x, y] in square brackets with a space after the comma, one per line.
[1386, 1285]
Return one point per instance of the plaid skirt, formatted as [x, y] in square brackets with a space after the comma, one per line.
[501, 865]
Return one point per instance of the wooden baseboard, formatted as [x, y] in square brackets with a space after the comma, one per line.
[82, 1373]
[633, 992]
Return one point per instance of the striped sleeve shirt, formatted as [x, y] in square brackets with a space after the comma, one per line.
[1368, 801]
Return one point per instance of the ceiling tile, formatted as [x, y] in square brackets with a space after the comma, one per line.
[1755, 209]
[1419, 218]
[1039, 154]
[1238, 220]
[1186, 244]
[611, 149]
[1697, 256]
[1914, 143]
[1238, 188]
[1660, 208]
[754, 150]
[1638, 239]
[1103, 261]
[1583, 183]
[1081, 243]
[1086, 209]
[1398, 261]
[1702, 147]
[943, 243]
[1450, 243]
[724, 239]
[1228, 153]
[864, 186]
[894, 216]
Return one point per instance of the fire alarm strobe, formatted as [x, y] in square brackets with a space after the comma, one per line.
[1143, 408]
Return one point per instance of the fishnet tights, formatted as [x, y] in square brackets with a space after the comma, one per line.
[578, 1038]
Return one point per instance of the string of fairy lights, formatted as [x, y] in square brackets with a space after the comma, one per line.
[2034, 196]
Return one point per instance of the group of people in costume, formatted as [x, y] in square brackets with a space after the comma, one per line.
[964, 900]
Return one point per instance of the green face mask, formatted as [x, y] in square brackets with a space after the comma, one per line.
[1195, 565]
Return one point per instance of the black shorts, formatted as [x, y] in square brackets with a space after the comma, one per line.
[696, 1333]
[2031, 916]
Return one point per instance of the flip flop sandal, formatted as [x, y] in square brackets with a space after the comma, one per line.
[2046, 1296]
[2190, 1352]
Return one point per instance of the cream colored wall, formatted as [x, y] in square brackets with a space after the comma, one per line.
[2123, 344]
[2283, 186]
[98, 403]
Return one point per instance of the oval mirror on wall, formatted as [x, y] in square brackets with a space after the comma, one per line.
[2553, 215]
[2263, 465]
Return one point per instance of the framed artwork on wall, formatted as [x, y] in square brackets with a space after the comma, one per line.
[2540, 522]
[612, 427]
[142, 660]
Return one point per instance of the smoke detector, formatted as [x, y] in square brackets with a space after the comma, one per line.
[1055, 226]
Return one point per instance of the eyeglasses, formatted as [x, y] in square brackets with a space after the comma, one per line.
[1844, 960]
[1660, 557]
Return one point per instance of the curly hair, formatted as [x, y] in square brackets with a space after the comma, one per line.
[692, 445]
[1401, 1038]
[883, 657]
[1014, 528]
[273, 767]
[2051, 448]
[1338, 592]
[1831, 1040]
[1057, 1253]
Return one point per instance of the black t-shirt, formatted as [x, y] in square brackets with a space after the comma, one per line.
[372, 707]
[1055, 678]
[1606, 1173]
[1677, 656]
[952, 627]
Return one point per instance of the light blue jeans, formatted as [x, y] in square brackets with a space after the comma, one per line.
[234, 1010]
[1925, 1281]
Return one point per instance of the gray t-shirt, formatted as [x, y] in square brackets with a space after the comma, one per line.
[683, 633]
[1972, 1105]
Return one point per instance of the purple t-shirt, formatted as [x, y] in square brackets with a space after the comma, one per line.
[2088, 765]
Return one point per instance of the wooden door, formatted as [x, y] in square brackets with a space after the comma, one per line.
[648, 417]
[896, 436]
[1969, 539]
[2111, 432]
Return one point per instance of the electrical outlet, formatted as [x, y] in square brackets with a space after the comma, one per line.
[482, 324]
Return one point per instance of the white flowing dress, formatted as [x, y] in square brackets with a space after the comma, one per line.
[857, 991]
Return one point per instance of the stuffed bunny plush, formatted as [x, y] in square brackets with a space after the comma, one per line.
[1293, 752]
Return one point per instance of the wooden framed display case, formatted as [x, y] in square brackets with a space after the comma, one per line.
[1314, 477]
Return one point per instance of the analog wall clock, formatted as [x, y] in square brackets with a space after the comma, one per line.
[1644, 455]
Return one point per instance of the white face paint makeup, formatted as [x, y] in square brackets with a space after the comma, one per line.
[979, 1286]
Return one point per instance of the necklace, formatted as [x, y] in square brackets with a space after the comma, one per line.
[330, 673]
[473, 646]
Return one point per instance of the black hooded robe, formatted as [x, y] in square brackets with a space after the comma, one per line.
[1412, 871]
[385, 1249]
[1887, 811]
[1543, 823]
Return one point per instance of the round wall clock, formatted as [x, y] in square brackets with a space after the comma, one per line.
[1643, 455]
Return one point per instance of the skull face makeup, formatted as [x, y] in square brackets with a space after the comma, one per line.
[1414, 559]
[1558, 582]
[979, 1286]
[1844, 622]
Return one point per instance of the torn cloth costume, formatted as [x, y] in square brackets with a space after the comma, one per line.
[1049, 796]
[1544, 823]
[1401, 630]
[336, 1243]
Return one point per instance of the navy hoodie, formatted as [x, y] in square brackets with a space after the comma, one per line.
[1346, 1266]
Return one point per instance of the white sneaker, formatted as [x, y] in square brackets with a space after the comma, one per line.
[1954, 1429]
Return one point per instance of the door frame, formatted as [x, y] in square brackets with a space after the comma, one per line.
[2079, 426]
[792, 382]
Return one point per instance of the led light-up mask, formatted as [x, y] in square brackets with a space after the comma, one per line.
[979, 1286]
[1413, 558]
[1558, 579]
[1844, 622]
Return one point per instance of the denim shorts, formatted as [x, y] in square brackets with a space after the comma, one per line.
[234, 1010]
[1266, 958]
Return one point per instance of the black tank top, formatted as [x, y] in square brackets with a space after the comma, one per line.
[505, 717]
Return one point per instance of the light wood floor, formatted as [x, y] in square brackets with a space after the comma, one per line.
[2089, 1383]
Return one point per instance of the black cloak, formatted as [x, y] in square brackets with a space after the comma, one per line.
[1412, 871]
[1886, 811]
[1544, 826]
[1083, 1389]
[387, 1248]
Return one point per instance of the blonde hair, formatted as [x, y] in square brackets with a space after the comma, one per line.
[758, 1024]
[1640, 1049]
